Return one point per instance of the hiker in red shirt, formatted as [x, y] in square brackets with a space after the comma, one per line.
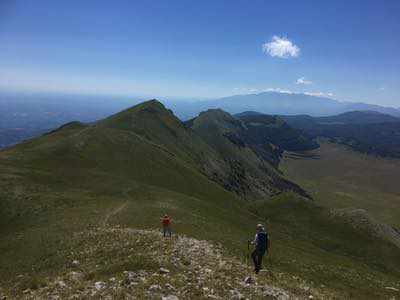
[166, 223]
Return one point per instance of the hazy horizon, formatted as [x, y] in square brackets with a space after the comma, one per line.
[93, 97]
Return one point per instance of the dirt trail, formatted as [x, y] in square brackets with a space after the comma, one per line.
[117, 210]
[113, 213]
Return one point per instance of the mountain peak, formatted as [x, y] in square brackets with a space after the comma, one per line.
[150, 104]
[218, 118]
[216, 112]
[145, 110]
[248, 113]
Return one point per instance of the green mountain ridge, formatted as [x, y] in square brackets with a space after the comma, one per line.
[358, 117]
[351, 117]
[253, 165]
[262, 128]
[365, 131]
[129, 169]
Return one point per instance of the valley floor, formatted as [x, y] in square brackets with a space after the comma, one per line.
[338, 177]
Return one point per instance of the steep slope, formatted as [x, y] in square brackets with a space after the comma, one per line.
[252, 167]
[153, 122]
[261, 129]
[146, 144]
[72, 176]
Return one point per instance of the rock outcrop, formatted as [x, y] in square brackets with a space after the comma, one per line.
[125, 263]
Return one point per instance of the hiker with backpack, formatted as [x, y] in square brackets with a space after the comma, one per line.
[261, 243]
[166, 224]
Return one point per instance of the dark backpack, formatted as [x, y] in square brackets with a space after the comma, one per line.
[262, 241]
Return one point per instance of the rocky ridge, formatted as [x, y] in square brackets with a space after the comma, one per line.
[123, 263]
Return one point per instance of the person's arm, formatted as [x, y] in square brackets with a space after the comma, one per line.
[254, 242]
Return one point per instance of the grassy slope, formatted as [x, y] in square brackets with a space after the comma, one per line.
[265, 128]
[79, 177]
[74, 177]
[249, 174]
[341, 178]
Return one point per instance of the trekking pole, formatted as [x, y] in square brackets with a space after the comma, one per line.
[248, 252]
[248, 257]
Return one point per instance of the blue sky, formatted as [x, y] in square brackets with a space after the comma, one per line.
[348, 50]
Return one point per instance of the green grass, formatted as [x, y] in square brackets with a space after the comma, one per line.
[243, 170]
[320, 249]
[79, 178]
[342, 178]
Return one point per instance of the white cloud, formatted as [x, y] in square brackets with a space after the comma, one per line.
[382, 88]
[281, 47]
[278, 90]
[319, 94]
[244, 90]
[303, 80]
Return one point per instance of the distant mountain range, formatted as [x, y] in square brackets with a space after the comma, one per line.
[24, 116]
[276, 103]
[352, 117]
[365, 131]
